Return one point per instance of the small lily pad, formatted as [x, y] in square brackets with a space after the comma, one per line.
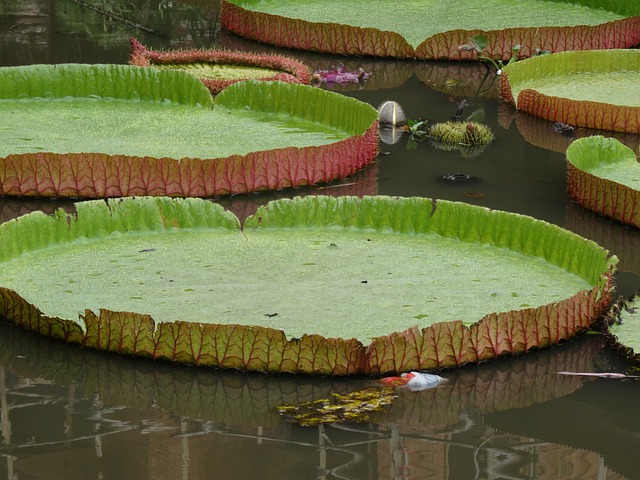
[218, 69]
[604, 177]
[624, 327]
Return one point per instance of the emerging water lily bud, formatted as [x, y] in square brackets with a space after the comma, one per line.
[391, 113]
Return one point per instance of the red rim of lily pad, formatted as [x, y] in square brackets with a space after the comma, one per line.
[254, 347]
[252, 399]
[37, 172]
[289, 70]
[518, 87]
[350, 40]
[593, 190]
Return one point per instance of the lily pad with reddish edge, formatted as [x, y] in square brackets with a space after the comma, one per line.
[435, 29]
[604, 177]
[251, 400]
[218, 69]
[94, 131]
[316, 285]
[596, 89]
[623, 327]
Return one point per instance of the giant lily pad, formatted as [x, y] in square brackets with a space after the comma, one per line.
[318, 285]
[218, 69]
[604, 176]
[596, 89]
[623, 328]
[118, 130]
[435, 29]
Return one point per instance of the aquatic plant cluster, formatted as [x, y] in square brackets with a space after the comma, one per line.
[268, 129]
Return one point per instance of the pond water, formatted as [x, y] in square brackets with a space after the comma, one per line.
[75, 414]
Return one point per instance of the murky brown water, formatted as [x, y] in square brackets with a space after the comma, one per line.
[67, 413]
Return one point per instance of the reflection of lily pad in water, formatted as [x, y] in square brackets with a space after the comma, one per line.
[160, 133]
[218, 69]
[459, 79]
[231, 399]
[596, 89]
[604, 176]
[433, 30]
[321, 269]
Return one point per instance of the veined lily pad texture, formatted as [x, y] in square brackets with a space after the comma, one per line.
[94, 131]
[218, 69]
[434, 29]
[317, 285]
[624, 328]
[604, 176]
[597, 89]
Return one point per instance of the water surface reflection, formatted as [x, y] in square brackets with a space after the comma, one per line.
[70, 413]
[66, 410]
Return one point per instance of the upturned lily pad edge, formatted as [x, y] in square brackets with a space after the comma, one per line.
[578, 113]
[350, 40]
[290, 70]
[601, 195]
[97, 175]
[242, 347]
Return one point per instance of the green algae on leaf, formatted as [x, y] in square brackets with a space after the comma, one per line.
[361, 268]
[596, 89]
[218, 69]
[604, 177]
[116, 130]
[434, 30]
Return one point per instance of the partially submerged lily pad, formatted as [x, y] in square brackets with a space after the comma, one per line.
[313, 285]
[596, 89]
[218, 69]
[117, 130]
[435, 30]
[604, 177]
[624, 328]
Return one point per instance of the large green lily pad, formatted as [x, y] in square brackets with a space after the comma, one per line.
[118, 130]
[434, 29]
[597, 89]
[314, 285]
[604, 176]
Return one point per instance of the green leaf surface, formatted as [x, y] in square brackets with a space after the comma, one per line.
[597, 89]
[116, 130]
[604, 176]
[417, 20]
[68, 118]
[607, 158]
[315, 269]
[626, 329]
[434, 29]
[218, 69]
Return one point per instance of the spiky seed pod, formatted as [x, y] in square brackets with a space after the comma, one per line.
[461, 133]
[391, 113]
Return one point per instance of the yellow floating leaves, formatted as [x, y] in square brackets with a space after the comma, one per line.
[355, 407]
